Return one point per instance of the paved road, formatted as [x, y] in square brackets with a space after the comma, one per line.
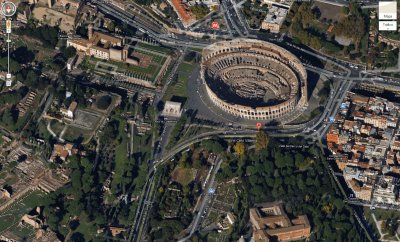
[162, 37]
[206, 198]
[46, 107]
[142, 208]
[170, 77]
[332, 107]
[163, 140]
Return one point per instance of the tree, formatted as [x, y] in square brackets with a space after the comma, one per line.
[199, 10]
[289, 160]
[77, 237]
[352, 26]
[87, 165]
[31, 79]
[46, 34]
[14, 65]
[22, 6]
[240, 149]
[68, 52]
[104, 102]
[280, 161]
[212, 146]
[345, 10]
[76, 179]
[23, 55]
[182, 160]
[316, 12]
[298, 159]
[197, 164]
[9, 118]
[315, 42]
[111, 26]
[262, 141]
[87, 182]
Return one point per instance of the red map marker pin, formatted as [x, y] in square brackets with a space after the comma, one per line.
[258, 125]
[215, 25]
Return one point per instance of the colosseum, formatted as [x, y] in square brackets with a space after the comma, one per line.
[254, 79]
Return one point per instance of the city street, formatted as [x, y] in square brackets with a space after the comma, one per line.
[234, 126]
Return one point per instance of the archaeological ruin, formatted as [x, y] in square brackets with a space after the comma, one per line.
[254, 79]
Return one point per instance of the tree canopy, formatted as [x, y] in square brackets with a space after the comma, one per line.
[262, 140]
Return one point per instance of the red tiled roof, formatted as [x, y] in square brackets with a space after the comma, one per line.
[185, 16]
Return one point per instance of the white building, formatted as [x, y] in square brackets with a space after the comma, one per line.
[69, 113]
[274, 19]
[172, 109]
[385, 191]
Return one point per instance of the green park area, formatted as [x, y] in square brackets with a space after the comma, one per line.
[105, 66]
[387, 220]
[123, 161]
[155, 58]
[142, 145]
[120, 152]
[11, 216]
[199, 10]
[255, 12]
[178, 193]
[384, 56]
[11, 117]
[157, 54]
[159, 49]
[76, 134]
[335, 30]
[178, 86]
[6, 173]
[183, 176]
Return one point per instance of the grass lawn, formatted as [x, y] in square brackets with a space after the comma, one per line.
[142, 144]
[179, 88]
[43, 132]
[20, 122]
[10, 217]
[155, 58]
[23, 231]
[56, 126]
[184, 176]
[86, 228]
[159, 49]
[149, 72]
[197, 49]
[74, 133]
[7, 168]
[120, 153]
[120, 157]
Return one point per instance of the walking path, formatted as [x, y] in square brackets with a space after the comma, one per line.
[378, 226]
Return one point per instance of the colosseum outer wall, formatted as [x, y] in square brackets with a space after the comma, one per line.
[261, 48]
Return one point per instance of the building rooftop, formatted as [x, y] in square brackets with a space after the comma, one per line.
[270, 221]
[185, 16]
[276, 15]
[365, 132]
[72, 107]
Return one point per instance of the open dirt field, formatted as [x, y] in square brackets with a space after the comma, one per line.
[329, 11]
[184, 176]
[53, 17]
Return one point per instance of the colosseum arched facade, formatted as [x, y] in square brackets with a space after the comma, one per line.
[269, 77]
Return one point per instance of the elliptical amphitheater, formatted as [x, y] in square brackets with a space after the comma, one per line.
[254, 79]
